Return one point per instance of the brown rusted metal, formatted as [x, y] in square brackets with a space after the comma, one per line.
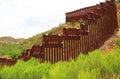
[52, 39]
[84, 29]
[71, 32]
[35, 51]
[100, 22]
[7, 62]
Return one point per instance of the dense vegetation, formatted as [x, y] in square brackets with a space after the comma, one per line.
[8, 50]
[95, 65]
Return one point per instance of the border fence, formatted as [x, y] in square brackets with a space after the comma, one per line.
[100, 22]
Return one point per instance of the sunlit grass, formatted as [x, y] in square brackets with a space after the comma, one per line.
[91, 66]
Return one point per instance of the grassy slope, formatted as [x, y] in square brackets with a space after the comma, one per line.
[37, 39]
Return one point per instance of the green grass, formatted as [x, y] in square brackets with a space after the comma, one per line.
[11, 50]
[95, 65]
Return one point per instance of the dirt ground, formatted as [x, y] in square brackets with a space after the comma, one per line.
[110, 43]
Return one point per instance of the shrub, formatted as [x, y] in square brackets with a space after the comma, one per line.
[117, 42]
[12, 50]
[95, 65]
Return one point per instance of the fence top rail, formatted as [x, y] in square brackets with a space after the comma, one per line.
[3, 59]
[48, 39]
[90, 8]
[85, 10]
[71, 31]
[35, 49]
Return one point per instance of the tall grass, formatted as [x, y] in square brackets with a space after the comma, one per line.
[95, 65]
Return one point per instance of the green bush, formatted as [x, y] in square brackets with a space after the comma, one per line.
[117, 42]
[11, 50]
[95, 65]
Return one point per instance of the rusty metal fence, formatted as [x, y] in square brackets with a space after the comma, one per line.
[100, 22]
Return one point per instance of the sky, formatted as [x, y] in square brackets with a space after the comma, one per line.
[26, 18]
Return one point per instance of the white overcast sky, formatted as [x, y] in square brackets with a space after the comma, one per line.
[25, 18]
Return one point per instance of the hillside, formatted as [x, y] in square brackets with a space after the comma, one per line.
[8, 39]
[37, 39]
[21, 45]
[10, 47]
